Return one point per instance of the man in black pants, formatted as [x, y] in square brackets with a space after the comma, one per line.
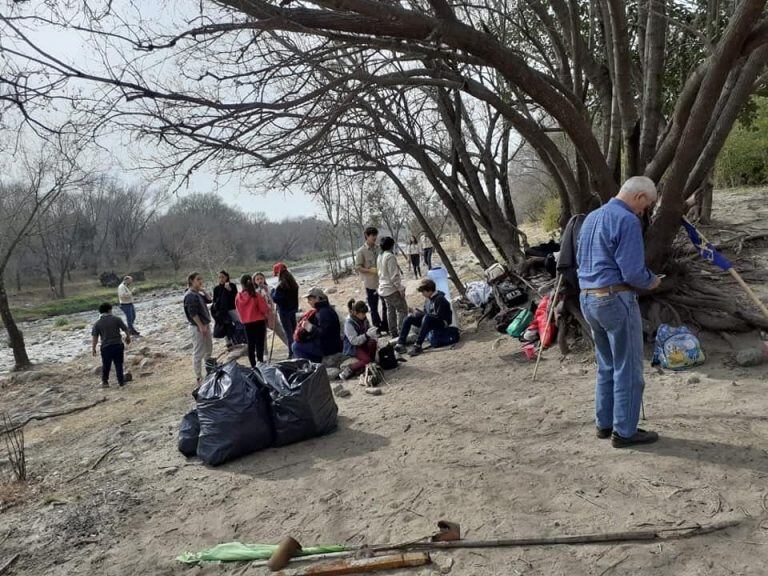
[107, 328]
[365, 265]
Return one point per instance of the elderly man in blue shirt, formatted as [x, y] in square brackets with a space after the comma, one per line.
[611, 260]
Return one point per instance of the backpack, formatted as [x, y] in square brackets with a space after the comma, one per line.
[520, 323]
[372, 377]
[509, 294]
[444, 337]
[387, 357]
[677, 348]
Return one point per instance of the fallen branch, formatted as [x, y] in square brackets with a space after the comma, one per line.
[95, 464]
[47, 415]
[5, 567]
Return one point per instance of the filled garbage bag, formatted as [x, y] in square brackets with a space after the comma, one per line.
[233, 409]
[302, 400]
[189, 430]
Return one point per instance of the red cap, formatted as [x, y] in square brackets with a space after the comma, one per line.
[279, 267]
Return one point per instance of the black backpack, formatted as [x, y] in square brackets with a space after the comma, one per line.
[387, 357]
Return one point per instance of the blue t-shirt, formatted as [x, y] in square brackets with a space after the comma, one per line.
[611, 249]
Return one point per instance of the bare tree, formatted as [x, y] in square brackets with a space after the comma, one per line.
[46, 176]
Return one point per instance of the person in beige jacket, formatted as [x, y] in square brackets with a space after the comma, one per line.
[391, 287]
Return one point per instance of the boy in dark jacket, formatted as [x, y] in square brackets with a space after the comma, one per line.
[320, 334]
[107, 329]
[434, 322]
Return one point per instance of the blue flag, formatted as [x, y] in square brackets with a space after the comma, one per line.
[705, 248]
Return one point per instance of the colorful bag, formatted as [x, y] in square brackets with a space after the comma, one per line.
[677, 348]
[520, 323]
[540, 323]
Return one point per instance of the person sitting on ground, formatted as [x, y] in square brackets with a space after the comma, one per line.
[286, 296]
[435, 321]
[391, 287]
[107, 328]
[253, 310]
[319, 331]
[359, 339]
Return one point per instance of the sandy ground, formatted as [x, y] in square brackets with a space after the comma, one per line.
[462, 434]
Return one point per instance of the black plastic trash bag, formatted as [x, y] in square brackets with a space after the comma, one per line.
[233, 409]
[302, 400]
[189, 430]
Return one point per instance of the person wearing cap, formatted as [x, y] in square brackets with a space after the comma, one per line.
[434, 321]
[360, 340]
[319, 331]
[286, 297]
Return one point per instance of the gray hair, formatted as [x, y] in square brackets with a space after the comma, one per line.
[639, 185]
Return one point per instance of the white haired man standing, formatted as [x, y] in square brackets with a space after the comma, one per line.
[611, 260]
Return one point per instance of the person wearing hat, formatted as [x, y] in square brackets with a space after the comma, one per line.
[319, 331]
[360, 340]
[286, 297]
[434, 322]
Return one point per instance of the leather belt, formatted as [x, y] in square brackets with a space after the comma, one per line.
[607, 291]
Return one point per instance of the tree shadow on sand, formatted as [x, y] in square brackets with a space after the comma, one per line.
[717, 453]
[299, 459]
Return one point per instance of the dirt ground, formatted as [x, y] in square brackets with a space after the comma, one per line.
[462, 434]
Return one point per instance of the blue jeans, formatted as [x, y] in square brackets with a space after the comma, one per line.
[288, 320]
[428, 258]
[618, 334]
[424, 323]
[112, 354]
[130, 315]
[310, 350]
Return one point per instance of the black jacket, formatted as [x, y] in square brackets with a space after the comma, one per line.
[327, 332]
[439, 307]
[285, 298]
[223, 299]
[566, 261]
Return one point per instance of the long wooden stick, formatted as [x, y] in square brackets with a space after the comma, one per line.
[550, 313]
[749, 291]
[583, 539]
[367, 565]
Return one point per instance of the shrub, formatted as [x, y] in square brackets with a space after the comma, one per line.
[60, 322]
[743, 161]
[550, 217]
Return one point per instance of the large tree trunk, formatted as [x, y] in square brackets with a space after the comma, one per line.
[15, 337]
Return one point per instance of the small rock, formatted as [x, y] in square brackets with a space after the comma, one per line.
[125, 455]
[445, 565]
[332, 290]
[340, 391]
[694, 380]
[170, 471]
[373, 391]
[144, 362]
[750, 357]
[128, 377]
[333, 373]
[145, 374]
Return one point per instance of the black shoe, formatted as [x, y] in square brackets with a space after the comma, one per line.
[105, 384]
[121, 384]
[415, 351]
[135, 333]
[640, 437]
[604, 433]
[400, 349]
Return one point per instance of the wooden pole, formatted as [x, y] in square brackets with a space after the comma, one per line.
[550, 313]
[272, 347]
[367, 565]
[736, 276]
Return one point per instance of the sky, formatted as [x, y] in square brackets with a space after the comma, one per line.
[244, 193]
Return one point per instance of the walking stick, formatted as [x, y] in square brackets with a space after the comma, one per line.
[272, 346]
[550, 313]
